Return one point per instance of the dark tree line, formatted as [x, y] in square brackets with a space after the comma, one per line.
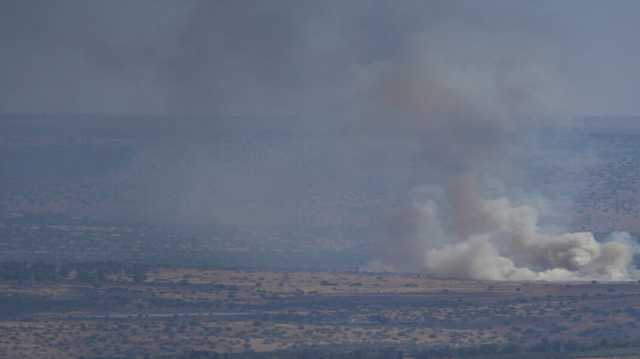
[544, 349]
[90, 272]
[384, 353]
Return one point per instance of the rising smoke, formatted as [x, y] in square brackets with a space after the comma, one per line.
[468, 79]
[472, 112]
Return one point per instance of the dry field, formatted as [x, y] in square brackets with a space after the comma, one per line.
[178, 310]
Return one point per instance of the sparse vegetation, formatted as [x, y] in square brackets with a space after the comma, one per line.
[174, 310]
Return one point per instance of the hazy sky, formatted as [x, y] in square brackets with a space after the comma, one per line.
[404, 123]
[282, 57]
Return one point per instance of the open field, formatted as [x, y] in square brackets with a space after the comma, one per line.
[91, 194]
[172, 311]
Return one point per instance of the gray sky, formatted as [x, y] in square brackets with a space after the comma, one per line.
[283, 57]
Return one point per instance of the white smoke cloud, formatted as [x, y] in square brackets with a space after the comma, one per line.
[511, 246]
[468, 78]
[471, 106]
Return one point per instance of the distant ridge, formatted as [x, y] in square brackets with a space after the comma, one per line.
[627, 124]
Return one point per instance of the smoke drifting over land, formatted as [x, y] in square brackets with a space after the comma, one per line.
[466, 82]
[471, 116]
[493, 239]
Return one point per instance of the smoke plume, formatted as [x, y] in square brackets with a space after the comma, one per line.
[472, 111]
[430, 98]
